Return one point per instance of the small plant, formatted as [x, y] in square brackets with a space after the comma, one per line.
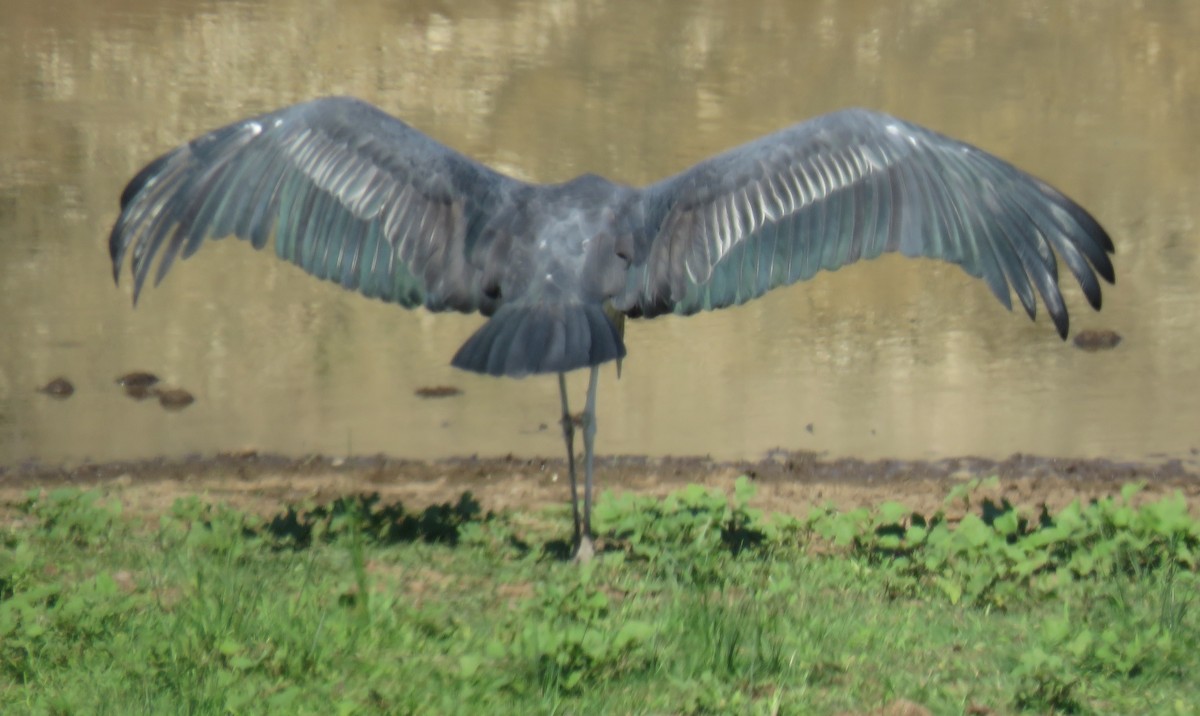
[690, 532]
[998, 556]
[1046, 683]
[69, 514]
[19, 563]
[572, 637]
[215, 529]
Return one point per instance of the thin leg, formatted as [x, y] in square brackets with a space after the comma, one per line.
[569, 436]
[586, 545]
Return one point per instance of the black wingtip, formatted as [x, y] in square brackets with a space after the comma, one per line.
[116, 249]
[119, 239]
[1062, 323]
[522, 340]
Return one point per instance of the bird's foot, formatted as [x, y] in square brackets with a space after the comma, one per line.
[584, 551]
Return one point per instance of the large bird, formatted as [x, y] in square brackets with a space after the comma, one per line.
[353, 195]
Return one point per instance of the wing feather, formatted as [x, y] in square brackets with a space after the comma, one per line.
[848, 186]
[349, 193]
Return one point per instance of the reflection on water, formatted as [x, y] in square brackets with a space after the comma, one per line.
[895, 357]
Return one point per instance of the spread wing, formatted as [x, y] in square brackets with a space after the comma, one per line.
[349, 193]
[852, 185]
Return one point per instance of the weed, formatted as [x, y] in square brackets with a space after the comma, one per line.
[72, 515]
[572, 637]
[1046, 683]
[691, 533]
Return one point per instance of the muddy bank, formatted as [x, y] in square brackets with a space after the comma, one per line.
[791, 482]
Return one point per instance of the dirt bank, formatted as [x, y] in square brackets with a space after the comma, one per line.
[789, 482]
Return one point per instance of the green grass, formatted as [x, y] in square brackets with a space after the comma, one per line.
[700, 605]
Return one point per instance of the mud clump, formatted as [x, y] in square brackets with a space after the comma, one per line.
[137, 379]
[437, 391]
[1093, 340]
[174, 399]
[60, 388]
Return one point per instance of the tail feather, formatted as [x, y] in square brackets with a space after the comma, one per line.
[519, 340]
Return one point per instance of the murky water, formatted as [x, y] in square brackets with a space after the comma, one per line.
[892, 358]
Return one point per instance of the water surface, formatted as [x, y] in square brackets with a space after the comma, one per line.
[891, 358]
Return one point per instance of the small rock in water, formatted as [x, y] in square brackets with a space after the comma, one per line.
[140, 392]
[1097, 340]
[437, 391]
[174, 398]
[59, 388]
[137, 379]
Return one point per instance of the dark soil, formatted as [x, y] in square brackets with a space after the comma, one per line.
[791, 482]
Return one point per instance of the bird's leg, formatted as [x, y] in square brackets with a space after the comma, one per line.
[586, 545]
[568, 428]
